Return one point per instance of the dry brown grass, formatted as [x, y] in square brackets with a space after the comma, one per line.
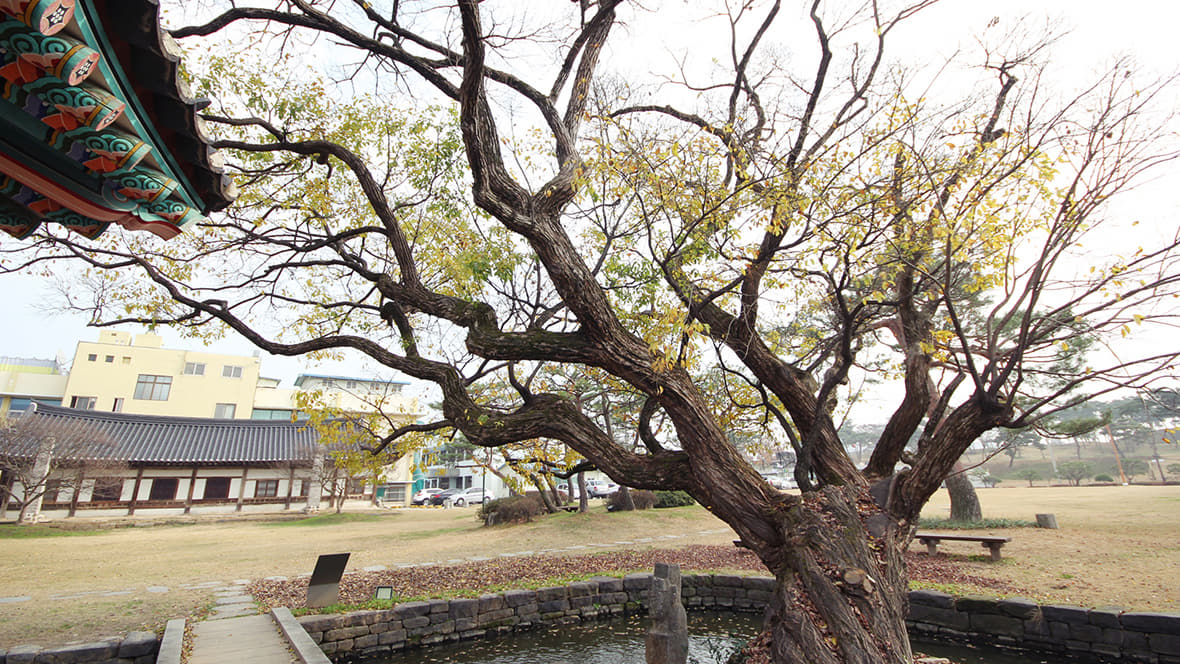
[136, 558]
[1116, 546]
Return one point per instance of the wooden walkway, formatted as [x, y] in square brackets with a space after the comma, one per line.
[255, 639]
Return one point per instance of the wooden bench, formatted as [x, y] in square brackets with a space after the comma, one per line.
[992, 543]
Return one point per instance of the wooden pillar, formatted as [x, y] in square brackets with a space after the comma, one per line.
[242, 488]
[290, 486]
[192, 485]
[135, 492]
[77, 490]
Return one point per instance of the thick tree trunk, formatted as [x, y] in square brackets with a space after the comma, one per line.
[841, 594]
[624, 502]
[964, 500]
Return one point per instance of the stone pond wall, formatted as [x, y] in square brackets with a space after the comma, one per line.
[1103, 635]
[1094, 635]
[135, 648]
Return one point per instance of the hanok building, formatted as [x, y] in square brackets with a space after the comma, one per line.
[85, 462]
[94, 126]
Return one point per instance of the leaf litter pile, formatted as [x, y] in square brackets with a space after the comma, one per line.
[504, 573]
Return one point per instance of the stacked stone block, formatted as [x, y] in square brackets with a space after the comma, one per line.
[1095, 635]
[135, 648]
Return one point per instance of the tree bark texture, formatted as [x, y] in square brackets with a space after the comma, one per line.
[841, 589]
[964, 501]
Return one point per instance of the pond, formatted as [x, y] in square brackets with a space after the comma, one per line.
[713, 638]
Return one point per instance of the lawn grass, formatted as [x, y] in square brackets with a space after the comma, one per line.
[331, 519]
[12, 531]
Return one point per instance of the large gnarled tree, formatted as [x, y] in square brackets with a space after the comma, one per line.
[746, 246]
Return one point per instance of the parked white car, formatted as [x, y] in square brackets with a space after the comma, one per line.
[423, 496]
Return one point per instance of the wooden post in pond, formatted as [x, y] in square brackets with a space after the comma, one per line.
[667, 638]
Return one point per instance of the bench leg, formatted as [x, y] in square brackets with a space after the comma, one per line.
[994, 547]
[932, 547]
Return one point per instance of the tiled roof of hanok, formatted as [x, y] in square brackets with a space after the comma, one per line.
[156, 440]
[95, 127]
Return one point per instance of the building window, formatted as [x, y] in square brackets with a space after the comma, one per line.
[355, 486]
[118, 406]
[83, 403]
[52, 491]
[350, 384]
[153, 388]
[164, 488]
[107, 488]
[194, 368]
[266, 488]
[271, 414]
[93, 357]
[224, 411]
[303, 485]
[231, 371]
[110, 359]
[217, 487]
[126, 360]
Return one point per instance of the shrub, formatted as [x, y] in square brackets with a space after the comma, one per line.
[513, 509]
[673, 499]
[641, 499]
[1103, 478]
[644, 500]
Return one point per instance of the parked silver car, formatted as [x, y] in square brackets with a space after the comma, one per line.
[600, 488]
[472, 496]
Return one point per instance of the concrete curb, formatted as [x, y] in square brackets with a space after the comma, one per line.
[305, 648]
[172, 642]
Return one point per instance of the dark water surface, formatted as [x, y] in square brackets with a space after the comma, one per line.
[713, 637]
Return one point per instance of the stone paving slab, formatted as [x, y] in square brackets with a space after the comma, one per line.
[254, 639]
[223, 611]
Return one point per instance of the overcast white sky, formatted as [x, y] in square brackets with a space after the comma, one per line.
[1145, 29]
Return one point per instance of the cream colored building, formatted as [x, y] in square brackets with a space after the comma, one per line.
[124, 374]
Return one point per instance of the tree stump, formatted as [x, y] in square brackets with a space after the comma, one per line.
[1047, 521]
